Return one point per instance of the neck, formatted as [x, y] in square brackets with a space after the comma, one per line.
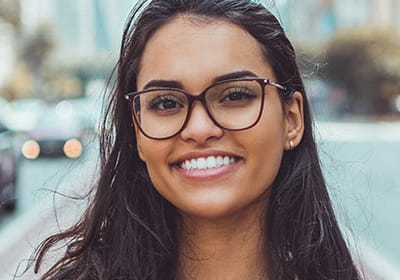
[228, 248]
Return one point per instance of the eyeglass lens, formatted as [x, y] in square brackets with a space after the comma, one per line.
[232, 105]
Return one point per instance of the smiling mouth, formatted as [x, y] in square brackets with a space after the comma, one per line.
[203, 163]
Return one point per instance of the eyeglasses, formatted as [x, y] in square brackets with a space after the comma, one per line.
[237, 104]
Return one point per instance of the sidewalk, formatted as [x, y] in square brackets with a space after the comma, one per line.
[20, 239]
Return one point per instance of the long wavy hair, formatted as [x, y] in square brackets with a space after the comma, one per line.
[129, 231]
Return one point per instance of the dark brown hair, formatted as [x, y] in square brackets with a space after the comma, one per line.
[129, 230]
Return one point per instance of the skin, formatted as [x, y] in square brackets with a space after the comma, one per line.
[220, 208]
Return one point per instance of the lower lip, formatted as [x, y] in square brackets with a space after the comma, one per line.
[208, 174]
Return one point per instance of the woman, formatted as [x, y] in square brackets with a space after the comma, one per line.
[209, 167]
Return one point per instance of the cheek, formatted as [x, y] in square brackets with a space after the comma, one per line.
[265, 167]
[139, 140]
[267, 151]
[268, 145]
[270, 132]
[155, 155]
[148, 149]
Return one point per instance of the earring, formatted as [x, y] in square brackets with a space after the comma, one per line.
[291, 145]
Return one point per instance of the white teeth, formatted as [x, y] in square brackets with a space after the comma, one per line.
[201, 163]
[226, 160]
[220, 161]
[211, 162]
[193, 163]
[207, 163]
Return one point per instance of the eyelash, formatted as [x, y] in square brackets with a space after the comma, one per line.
[156, 102]
[247, 94]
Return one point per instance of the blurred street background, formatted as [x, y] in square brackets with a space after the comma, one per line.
[56, 57]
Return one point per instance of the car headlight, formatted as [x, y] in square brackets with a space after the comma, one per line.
[30, 149]
[73, 148]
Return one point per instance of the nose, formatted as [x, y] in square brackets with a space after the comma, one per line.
[200, 128]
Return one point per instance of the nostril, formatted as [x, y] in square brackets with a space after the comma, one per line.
[200, 126]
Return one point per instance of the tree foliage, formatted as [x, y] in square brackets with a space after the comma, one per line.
[366, 62]
[37, 47]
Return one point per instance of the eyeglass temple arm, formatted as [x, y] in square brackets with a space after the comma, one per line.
[287, 92]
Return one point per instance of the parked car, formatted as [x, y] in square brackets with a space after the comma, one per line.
[56, 132]
[8, 169]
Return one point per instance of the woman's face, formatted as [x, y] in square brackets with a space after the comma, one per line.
[194, 53]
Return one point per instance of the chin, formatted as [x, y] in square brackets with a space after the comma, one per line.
[217, 210]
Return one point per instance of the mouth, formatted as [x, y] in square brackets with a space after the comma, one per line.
[204, 163]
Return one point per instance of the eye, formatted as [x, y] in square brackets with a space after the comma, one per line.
[166, 102]
[237, 95]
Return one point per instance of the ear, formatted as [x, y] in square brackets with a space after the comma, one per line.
[294, 121]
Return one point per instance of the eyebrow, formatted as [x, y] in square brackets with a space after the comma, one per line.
[176, 84]
[234, 75]
[163, 84]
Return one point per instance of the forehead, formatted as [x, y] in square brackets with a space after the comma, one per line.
[195, 52]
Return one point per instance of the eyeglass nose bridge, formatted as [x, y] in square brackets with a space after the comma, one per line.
[202, 98]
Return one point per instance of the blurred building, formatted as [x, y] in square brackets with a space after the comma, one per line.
[7, 51]
[316, 20]
[85, 27]
[386, 13]
[82, 28]
[9, 17]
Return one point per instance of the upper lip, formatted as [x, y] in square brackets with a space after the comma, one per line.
[203, 154]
